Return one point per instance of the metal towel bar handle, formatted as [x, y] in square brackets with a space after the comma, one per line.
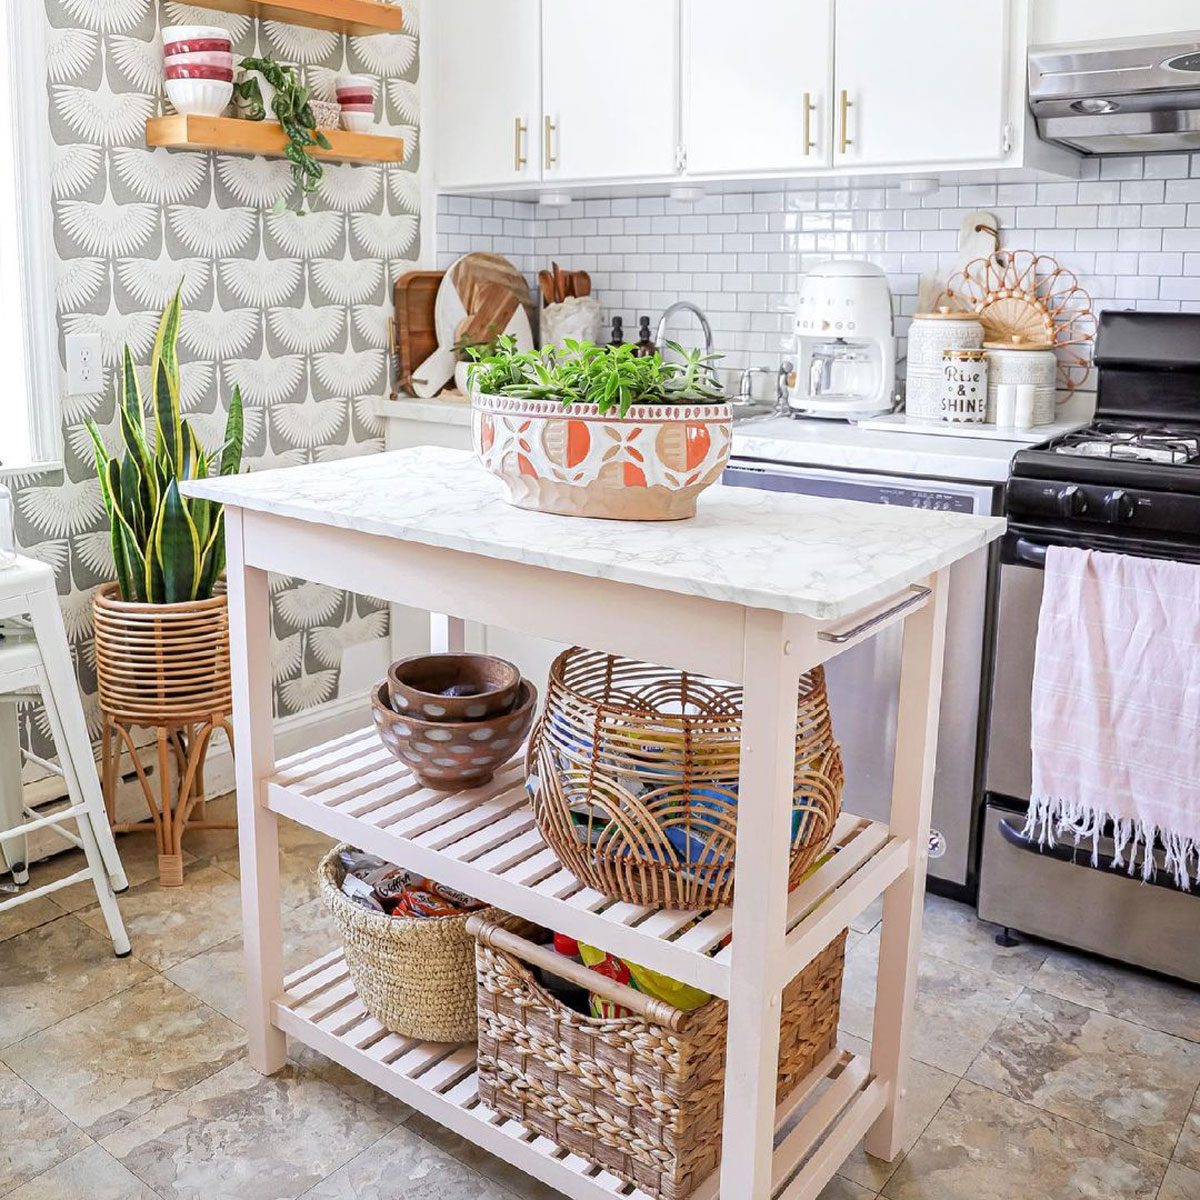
[916, 596]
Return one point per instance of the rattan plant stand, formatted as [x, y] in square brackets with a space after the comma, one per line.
[163, 667]
[758, 590]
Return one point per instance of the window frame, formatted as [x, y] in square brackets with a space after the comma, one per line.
[29, 135]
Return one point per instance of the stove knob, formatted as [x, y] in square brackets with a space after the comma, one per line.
[1072, 502]
[1118, 507]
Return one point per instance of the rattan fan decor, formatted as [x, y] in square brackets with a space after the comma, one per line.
[633, 778]
[1031, 297]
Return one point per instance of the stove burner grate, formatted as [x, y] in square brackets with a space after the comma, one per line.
[1168, 447]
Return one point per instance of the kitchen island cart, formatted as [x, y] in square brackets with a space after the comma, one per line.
[756, 589]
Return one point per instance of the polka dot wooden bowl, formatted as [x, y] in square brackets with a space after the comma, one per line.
[421, 685]
[452, 755]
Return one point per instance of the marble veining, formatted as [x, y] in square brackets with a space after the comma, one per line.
[817, 558]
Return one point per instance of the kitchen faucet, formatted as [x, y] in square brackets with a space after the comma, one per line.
[683, 306]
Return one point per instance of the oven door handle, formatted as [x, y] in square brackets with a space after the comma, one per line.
[1028, 553]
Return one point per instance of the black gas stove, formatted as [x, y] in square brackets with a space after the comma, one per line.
[1130, 481]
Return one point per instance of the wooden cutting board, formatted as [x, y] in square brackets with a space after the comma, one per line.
[483, 295]
[416, 329]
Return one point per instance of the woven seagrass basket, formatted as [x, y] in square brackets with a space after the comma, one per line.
[417, 977]
[640, 1096]
[633, 777]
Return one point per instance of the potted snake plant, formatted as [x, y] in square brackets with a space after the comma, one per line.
[162, 627]
[599, 431]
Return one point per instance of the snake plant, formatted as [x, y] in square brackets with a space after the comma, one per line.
[167, 547]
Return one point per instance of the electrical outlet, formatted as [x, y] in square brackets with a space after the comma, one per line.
[85, 367]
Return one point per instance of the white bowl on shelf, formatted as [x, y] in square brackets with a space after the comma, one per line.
[199, 97]
[358, 120]
[195, 33]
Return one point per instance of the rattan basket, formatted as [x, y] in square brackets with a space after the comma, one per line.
[162, 664]
[640, 1096]
[417, 977]
[633, 777]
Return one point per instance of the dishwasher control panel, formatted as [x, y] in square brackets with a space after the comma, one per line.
[773, 478]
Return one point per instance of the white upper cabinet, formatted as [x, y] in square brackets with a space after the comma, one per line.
[757, 85]
[923, 83]
[488, 92]
[609, 88]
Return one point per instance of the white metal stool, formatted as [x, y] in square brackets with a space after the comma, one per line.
[34, 654]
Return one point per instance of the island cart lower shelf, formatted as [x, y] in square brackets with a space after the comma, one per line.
[483, 840]
[816, 1126]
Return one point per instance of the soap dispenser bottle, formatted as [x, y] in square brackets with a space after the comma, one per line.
[645, 343]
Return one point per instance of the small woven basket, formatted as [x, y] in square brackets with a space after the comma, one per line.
[640, 1096]
[634, 778]
[417, 977]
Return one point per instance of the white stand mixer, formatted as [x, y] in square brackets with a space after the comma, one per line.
[845, 346]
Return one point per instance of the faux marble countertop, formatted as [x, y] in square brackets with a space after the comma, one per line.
[818, 558]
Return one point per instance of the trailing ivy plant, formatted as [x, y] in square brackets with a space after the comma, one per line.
[167, 547]
[585, 373]
[291, 106]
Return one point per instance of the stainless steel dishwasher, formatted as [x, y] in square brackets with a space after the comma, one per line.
[864, 681]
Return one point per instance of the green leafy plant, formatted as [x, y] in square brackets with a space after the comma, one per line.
[291, 106]
[585, 373]
[167, 547]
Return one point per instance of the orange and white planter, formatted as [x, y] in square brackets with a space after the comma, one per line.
[649, 465]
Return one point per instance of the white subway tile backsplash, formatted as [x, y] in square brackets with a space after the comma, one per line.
[1129, 229]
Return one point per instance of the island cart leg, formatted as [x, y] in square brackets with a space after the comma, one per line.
[258, 834]
[446, 634]
[771, 676]
[904, 901]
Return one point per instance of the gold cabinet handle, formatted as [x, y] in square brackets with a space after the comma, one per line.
[549, 158]
[809, 109]
[845, 104]
[519, 128]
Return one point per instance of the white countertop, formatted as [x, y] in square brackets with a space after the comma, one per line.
[823, 559]
[816, 443]
[454, 409]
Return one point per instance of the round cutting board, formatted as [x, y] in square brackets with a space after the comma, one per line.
[481, 297]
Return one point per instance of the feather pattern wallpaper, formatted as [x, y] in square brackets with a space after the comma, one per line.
[292, 308]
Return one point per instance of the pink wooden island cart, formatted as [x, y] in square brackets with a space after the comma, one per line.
[756, 589]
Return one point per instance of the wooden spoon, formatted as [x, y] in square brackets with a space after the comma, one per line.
[546, 283]
[581, 283]
[559, 287]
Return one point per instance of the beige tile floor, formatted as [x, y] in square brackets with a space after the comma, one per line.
[1039, 1075]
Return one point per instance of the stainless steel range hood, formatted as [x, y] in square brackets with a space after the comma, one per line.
[1118, 97]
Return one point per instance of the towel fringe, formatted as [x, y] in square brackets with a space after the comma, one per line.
[1051, 818]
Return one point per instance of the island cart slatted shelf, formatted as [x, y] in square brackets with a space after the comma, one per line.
[757, 589]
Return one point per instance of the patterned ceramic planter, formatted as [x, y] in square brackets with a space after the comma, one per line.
[649, 465]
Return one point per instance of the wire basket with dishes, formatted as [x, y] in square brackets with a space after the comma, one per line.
[633, 777]
[454, 719]
[633, 1078]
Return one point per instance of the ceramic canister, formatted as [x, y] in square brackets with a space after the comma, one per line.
[929, 335]
[964, 386]
[1019, 361]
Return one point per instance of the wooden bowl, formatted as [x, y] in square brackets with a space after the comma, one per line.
[449, 756]
[417, 686]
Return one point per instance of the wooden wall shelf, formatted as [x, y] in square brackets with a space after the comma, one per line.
[229, 135]
[357, 17]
